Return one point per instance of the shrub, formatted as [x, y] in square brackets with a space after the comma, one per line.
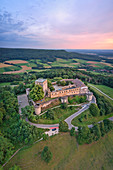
[94, 110]
[64, 106]
[46, 154]
[63, 127]
[72, 131]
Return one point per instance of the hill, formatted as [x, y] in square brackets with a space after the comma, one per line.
[43, 55]
[67, 154]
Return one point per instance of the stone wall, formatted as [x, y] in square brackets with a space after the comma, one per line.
[50, 103]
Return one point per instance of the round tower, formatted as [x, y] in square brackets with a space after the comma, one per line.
[89, 96]
[37, 109]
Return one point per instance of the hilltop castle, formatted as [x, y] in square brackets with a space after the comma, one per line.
[77, 88]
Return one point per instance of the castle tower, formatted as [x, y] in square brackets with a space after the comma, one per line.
[89, 96]
[37, 109]
[43, 83]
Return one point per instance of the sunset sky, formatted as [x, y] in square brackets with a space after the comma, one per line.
[56, 24]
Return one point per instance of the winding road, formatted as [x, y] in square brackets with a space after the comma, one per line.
[70, 118]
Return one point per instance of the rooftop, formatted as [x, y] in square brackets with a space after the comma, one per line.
[40, 80]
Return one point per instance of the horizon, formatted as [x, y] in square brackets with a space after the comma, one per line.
[66, 24]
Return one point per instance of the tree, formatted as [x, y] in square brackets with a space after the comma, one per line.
[102, 129]
[52, 88]
[84, 135]
[6, 149]
[46, 154]
[108, 125]
[94, 110]
[96, 132]
[64, 105]
[63, 126]
[50, 114]
[72, 131]
[37, 93]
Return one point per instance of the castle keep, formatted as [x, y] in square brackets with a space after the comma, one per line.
[43, 83]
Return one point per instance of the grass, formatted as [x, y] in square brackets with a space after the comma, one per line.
[59, 114]
[5, 84]
[10, 68]
[67, 154]
[107, 90]
[111, 101]
[90, 120]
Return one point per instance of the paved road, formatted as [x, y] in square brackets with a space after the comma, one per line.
[44, 126]
[100, 91]
[70, 118]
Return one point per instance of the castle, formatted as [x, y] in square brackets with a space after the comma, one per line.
[77, 88]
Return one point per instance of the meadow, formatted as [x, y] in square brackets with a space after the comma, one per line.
[67, 154]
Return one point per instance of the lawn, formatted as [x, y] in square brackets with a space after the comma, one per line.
[67, 154]
[107, 90]
[59, 114]
[89, 120]
[5, 84]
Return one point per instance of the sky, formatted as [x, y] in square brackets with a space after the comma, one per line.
[56, 24]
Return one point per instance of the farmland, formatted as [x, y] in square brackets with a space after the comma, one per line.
[36, 64]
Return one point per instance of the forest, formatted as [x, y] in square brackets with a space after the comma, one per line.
[45, 55]
[14, 131]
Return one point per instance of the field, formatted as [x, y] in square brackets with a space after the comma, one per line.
[37, 64]
[16, 61]
[24, 68]
[9, 68]
[107, 90]
[2, 65]
[67, 154]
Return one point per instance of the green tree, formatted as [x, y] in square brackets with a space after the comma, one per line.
[46, 154]
[84, 135]
[108, 125]
[94, 110]
[64, 105]
[63, 126]
[37, 93]
[96, 131]
[6, 149]
[102, 129]
[72, 131]
[50, 114]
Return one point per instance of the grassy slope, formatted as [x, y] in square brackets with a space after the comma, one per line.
[60, 114]
[107, 90]
[66, 154]
[91, 120]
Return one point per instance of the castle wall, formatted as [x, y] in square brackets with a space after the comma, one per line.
[61, 93]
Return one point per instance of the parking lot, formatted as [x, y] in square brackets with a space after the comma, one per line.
[22, 101]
